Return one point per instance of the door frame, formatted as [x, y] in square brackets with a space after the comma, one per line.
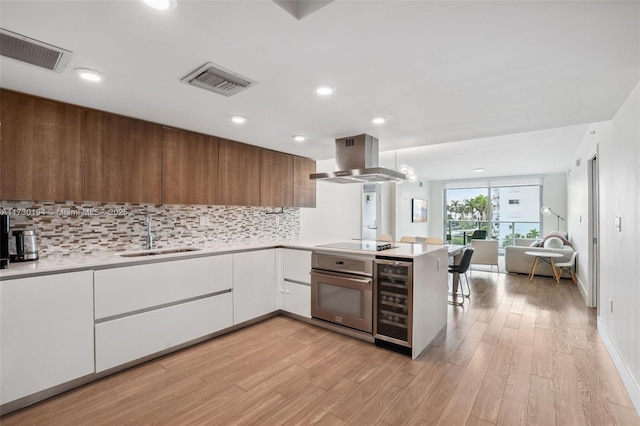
[593, 289]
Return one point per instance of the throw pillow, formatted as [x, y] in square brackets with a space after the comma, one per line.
[556, 235]
[554, 243]
[535, 243]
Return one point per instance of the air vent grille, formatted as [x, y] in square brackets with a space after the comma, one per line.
[217, 79]
[31, 51]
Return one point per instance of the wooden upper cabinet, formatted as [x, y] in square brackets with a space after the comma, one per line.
[239, 174]
[54, 151]
[124, 159]
[304, 189]
[190, 168]
[276, 182]
[42, 149]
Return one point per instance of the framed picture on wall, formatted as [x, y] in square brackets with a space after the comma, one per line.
[418, 210]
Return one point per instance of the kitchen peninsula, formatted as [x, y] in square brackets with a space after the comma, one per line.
[397, 294]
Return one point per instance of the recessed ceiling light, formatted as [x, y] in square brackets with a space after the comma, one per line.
[479, 170]
[90, 75]
[299, 138]
[162, 4]
[378, 120]
[325, 90]
[238, 119]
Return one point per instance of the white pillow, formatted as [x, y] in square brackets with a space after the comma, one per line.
[535, 243]
[554, 243]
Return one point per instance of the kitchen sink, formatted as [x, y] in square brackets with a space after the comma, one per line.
[158, 252]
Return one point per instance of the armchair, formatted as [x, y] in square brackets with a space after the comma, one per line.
[486, 253]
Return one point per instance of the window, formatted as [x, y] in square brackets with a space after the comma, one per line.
[507, 209]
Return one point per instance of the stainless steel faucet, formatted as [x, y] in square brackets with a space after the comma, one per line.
[150, 241]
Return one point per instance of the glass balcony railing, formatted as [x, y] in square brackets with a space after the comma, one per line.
[458, 231]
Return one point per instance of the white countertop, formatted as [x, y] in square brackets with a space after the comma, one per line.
[403, 250]
[110, 259]
[102, 260]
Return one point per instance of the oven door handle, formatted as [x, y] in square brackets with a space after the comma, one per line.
[343, 277]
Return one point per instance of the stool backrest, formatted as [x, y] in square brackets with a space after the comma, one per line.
[465, 262]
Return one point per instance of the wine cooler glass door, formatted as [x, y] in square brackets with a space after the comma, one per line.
[393, 307]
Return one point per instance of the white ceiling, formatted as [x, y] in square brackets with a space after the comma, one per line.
[439, 72]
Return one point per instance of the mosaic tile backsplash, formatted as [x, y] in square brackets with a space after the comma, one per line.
[89, 227]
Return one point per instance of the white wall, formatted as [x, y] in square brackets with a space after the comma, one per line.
[554, 196]
[619, 183]
[578, 215]
[404, 194]
[436, 219]
[338, 212]
[337, 216]
[387, 213]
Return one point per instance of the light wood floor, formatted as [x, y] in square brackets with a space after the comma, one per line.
[520, 353]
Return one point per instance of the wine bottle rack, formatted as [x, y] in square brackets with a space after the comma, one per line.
[393, 295]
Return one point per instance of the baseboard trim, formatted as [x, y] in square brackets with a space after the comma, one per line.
[583, 291]
[627, 377]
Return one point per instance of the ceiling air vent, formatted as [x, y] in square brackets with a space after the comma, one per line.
[34, 52]
[217, 79]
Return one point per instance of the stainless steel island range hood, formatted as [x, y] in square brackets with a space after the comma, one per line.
[357, 161]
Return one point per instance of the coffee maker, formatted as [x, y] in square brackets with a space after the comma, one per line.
[23, 246]
[4, 241]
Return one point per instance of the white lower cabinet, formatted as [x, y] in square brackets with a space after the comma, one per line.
[52, 334]
[132, 288]
[296, 298]
[254, 284]
[144, 309]
[46, 332]
[295, 287]
[296, 265]
[129, 338]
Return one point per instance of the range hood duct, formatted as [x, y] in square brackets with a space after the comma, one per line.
[357, 161]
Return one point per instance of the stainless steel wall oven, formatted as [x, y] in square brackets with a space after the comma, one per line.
[342, 289]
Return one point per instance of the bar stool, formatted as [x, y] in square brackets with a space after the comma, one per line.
[458, 269]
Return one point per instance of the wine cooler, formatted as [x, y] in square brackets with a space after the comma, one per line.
[393, 303]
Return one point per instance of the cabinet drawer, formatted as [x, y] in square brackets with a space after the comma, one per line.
[128, 289]
[130, 338]
[296, 265]
[297, 299]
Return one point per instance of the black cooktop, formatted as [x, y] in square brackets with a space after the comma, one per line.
[362, 245]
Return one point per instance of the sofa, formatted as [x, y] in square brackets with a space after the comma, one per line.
[515, 259]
